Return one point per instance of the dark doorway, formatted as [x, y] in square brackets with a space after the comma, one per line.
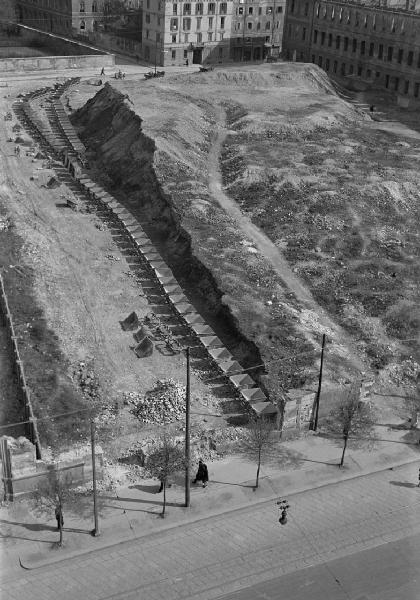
[197, 56]
[257, 53]
[247, 54]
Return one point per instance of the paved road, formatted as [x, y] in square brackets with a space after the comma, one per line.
[216, 556]
[387, 572]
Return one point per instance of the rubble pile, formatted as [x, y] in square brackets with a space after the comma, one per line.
[85, 377]
[165, 403]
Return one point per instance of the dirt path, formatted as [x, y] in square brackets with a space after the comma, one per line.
[271, 252]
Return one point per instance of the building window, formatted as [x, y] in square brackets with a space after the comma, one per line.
[82, 8]
[354, 45]
[267, 25]
[173, 54]
[222, 22]
[199, 8]
[366, 21]
[221, 52]
[306, 10]
[221, 35]
[362, 47]
[322, 37]
[327, 64]
[351, 70]
[337, 42]
[330, 39]
[147, 34]
[416, 90]
[279, 9]
[333, 13]
[371, 48]
[319, 61]
[303, 33]
[278, 25]
[185, 53]
[368, 73]
[374, 23]
[390, 53]
[199, 38]
[292, 7]
[346, 43]
[400, 55]
[357, 20]
[359, 70]
[82, 25]
[410, 56]
[335, 66]
[406, 87]
[94, 6]
[250, 10]
[268, 10]
[210, 36]
[211, 9]
[186, 24]
[343, 68]
[259, 27]
[341, 18]
[174, 39]
[315, 36]
[186, 37]
[223, 8]
[174, 24]
[240, 10]
[211, 19]
[418, 61]
[198, 25]
[381, 51]
[396, 83]
[174, 9]
[187, 9]
[313, 58]
[147, 18]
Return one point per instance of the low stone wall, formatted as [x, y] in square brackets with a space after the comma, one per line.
[56, 62]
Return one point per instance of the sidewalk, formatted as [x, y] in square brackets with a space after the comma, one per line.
[134, 511]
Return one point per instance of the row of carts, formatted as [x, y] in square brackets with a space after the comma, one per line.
[251, 395]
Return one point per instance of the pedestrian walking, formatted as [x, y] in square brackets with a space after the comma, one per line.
[59, 517]
[202, 473]
[103, 71]
[418, 485]
[372, 108]
[187, 62]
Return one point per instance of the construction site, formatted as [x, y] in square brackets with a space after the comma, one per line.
[243, 213]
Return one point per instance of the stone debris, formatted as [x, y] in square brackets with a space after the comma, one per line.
[165, 403]
[86, 379]
[112, 257]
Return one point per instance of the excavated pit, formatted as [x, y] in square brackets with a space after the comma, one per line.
[122, 159]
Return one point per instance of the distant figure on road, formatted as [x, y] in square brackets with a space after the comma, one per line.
[17, 150]
[187, 63]
[202, 473]
[103, 71]
[372, 108]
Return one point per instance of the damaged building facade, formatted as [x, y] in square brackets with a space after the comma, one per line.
[363, 44]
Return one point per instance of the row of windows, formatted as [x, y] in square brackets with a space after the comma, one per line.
[400, 55]
[397, 84]
[199, 8]
[174, 53]
[211, 37]
[186, 23]
[384, 22]
[250, 26]
[268, 10]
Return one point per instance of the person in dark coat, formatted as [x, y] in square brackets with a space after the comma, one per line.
[59, 517]
[202, 473]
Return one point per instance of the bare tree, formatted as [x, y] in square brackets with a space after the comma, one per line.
[55, 491]
[165, 460]
[258, 438]
[351, 417]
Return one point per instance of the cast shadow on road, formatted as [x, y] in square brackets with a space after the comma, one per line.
[139, 501]
[405, 484]
[251, 486]
[30, 526]
[321, 462]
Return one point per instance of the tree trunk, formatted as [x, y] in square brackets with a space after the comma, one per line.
[346, 437]
[258, 467]
[164, 499]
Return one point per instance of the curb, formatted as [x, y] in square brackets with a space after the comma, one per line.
[240, 507]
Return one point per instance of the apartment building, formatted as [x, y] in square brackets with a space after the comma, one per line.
[257, 29]
[363, 44]
[176, 32]
[66, 17]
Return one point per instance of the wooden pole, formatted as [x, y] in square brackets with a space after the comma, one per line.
[318, 393]
[95, 530]
[187, 433]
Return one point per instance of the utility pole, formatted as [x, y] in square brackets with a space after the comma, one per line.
[318, 393]
[95, 530]
[187, 433]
